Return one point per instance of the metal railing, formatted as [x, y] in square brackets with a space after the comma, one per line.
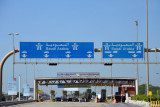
[154, 104]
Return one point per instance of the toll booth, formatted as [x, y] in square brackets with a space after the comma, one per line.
[120, 96]
[64, 95]
[40, 96]
[76, 95]
[88, 95]
[52, 96]
[103, 95]
[130, 89]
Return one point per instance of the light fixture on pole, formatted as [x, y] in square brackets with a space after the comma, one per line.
[13, 50]
[137, 28]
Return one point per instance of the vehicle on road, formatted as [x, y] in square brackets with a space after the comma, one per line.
[82, 99]
[76, 100]
[57, 99]
[70, 99]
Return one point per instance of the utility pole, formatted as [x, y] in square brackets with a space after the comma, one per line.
[13, 55]
[157, 95]
[147, 65]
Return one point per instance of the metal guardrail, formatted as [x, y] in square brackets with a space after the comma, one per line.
[3, 104]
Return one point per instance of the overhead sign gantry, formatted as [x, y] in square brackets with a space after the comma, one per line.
[76, 50]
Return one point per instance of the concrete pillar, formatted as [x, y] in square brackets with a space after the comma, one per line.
[136, 82]
[35, 90]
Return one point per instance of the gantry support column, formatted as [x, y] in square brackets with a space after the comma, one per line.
[35, 90]
[136, 83]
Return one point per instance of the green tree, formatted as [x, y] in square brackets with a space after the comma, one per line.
[93, 93]
[141, 89]
[21, 94]
[82, 95]
[151, 88]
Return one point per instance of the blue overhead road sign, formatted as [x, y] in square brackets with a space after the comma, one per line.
[56, 50]
[122, 49]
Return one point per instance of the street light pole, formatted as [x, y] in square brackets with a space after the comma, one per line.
[13, 50]
[147, 65]
[13, 55]
[137, 83]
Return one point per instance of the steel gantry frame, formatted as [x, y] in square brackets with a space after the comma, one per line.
[79, 80]
[95, 50]
[94, 81]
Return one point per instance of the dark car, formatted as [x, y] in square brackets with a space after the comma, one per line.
[70, 99]
[76, 100]
[57, 99]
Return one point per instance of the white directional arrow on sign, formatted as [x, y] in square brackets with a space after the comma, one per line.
[110, 55]
[46, 52]
[68, 55]
[24, 52]
[134, 55]
[107, 52]
[46, 55]
[68, 52]
[89, 55]
[89, 52]
[24, 55]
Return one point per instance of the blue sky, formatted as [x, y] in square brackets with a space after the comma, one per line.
[78, 20]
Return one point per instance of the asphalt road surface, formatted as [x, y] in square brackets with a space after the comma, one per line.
[74, 104]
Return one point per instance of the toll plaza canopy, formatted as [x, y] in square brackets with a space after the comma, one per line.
[93, 81]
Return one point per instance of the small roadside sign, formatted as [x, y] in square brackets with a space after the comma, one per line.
[40, 92]
[26, 90]
[150, 93]
[12, 86]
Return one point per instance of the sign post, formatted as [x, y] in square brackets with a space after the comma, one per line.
[157, 95]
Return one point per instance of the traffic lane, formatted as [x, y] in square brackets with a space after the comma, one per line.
[120, 105]
[62, 104]
[74, 104]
